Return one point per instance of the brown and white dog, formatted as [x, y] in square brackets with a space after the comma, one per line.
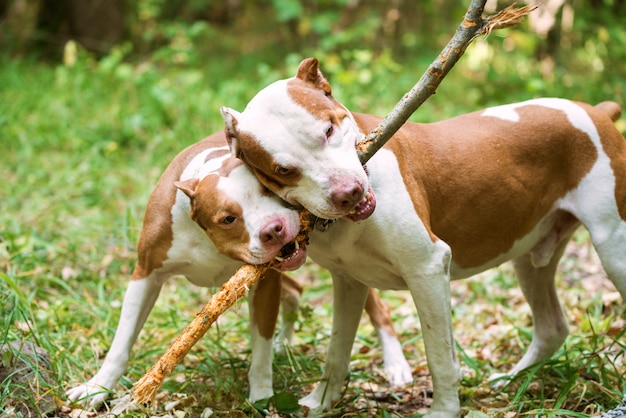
[453, 198]
[245, 223]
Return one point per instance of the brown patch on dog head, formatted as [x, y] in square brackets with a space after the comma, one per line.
[264, 166]
[311, 90]
[314, 100]
[205, 201]
[220, 217]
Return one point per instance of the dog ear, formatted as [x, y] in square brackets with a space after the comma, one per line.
[188, 187]
[309, 72]
[230, 126]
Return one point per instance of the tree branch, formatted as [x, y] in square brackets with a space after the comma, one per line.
[472, 26]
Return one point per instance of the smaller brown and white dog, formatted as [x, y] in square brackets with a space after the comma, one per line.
[245, 223]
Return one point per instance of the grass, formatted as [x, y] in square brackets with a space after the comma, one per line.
[82, 147]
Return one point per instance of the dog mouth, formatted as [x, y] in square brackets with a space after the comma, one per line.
[364, 208]
[290, 257]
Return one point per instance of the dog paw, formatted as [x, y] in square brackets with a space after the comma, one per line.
[315, 403]
[88, 394]
[280, 345]
[257, 393]
[443, 414]
[310, 403]
[397, 368]
[399, 374]
[323, 397]
[499, 380]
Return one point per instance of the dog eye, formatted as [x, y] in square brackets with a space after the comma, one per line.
[329, 131]
[282, 171]
[227, 220]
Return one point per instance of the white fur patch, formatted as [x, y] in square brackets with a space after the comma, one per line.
[505, 112]
[509, 111]
[199, 168]
[398, 370]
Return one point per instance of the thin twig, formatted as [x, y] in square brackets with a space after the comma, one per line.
[473, 25]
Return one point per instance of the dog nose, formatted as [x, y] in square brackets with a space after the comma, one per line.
[272, 232]
[347, 196]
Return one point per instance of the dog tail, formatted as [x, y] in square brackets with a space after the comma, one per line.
[611, 109]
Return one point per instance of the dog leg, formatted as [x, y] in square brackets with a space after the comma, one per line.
[397, 369]
[612, 255]
[550, 326]
[264, 302]
[431, 294]
[138, 302]
[348, 303]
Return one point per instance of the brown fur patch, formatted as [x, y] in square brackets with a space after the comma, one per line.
[482, 183]
[263, 164]
[209, 208]
[228, 166]
[216, 154]
[316, 101]
[309, 72]
[612, 109]
[378, 312]
[266, 303]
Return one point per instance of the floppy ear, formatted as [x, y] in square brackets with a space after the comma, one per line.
[309, 72]
[230, 122]
[188, 187]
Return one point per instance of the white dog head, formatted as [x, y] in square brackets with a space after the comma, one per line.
[300, 142]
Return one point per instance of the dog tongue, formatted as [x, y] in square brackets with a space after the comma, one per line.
[364, 208]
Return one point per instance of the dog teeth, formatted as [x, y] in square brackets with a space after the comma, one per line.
[297, 245]
[279, 259]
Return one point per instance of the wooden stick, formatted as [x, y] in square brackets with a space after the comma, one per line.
[473, 25]
[146, 388]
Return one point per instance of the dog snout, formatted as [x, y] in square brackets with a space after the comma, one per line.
[273, 232]
[345, 196]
